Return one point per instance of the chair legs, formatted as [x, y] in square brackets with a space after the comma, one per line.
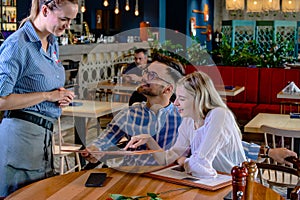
[57, 149]
[287, 107]
[64, 161]
[62, 165]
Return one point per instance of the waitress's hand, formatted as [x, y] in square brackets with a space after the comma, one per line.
[62, 96]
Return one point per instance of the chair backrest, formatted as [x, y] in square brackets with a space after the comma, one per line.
[273, 173]
[276, 137]
[287, 107]
[121, 96]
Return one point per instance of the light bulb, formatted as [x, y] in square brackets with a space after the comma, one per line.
[82, 9]
[255, 2]
[290, 2]
[136, 12]
[117, 7]
[127, 5]
[105, 3]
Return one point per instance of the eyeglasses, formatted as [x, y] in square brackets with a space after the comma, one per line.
[151, 75]
[47, 2]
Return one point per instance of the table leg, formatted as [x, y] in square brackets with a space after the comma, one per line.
[80, 135]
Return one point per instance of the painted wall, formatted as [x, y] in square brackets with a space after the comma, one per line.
[199, 5]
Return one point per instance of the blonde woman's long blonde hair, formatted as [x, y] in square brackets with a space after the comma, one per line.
[200, 85]
[206, 97]
[36, 6]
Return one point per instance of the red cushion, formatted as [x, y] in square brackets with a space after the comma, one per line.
[266, 108]
[242, 111]
[241, 76]
[273, 80]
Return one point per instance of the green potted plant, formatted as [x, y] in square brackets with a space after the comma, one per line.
[273, 54]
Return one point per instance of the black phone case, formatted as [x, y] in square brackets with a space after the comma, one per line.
[95, 180]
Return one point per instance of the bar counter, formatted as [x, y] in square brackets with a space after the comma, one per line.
[77, 52]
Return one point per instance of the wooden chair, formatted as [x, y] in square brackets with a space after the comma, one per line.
[287, 107]
[121, 96]
[62, 155]
[273, 173]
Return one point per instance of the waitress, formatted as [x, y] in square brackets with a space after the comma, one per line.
[32, 93]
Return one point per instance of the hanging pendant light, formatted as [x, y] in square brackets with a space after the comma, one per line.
[127, 8]
[82, 8]
[136, 10]
[117, 7]
[105, 3]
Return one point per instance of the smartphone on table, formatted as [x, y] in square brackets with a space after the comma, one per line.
[95, 180]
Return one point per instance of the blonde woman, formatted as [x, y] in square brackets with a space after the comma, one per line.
[31, 93]
[208, 130]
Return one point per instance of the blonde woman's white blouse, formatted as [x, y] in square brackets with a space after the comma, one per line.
[215, 146]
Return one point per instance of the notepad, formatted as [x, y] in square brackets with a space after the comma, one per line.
[176, 175]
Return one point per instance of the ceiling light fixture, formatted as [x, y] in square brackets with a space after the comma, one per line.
[117, 7]
[127, 8]
[105, 3]
[82, 8]
[136, 10]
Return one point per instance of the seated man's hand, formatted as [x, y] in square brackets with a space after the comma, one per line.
[137, 141]
[279, 155]
[90, 156]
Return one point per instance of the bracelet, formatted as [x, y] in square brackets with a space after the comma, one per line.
[263, 152]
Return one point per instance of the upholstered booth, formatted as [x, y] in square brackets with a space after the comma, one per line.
[261, 88]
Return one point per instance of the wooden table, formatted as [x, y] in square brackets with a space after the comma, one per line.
[132, 87]
[288, 96]
[71, 186]
[93, 109]
[233, 92]
[274, 120]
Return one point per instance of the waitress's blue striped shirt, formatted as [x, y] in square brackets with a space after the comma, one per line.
[25, 68]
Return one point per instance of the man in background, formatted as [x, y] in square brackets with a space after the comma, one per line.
[133, 73]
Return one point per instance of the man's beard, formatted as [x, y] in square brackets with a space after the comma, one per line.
[149, 92]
